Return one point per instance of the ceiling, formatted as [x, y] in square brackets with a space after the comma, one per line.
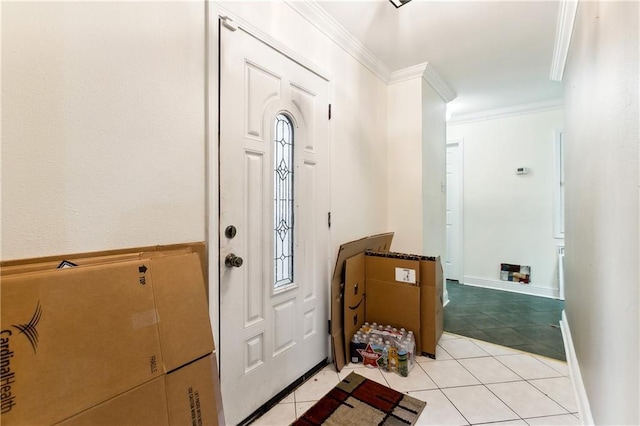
[493, 54]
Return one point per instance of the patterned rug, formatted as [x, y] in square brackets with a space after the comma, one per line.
[359, 401]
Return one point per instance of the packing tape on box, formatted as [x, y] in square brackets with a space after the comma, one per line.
[144, 319]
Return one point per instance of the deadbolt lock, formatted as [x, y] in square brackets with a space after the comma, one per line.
[230, 231]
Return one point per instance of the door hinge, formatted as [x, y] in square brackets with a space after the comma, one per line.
[329, 111]
[228, 22]
[329, 326]
[329, 219]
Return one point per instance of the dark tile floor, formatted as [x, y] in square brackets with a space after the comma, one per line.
[519, 321]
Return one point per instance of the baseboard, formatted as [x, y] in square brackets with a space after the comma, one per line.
[584, 409]
[512, 286]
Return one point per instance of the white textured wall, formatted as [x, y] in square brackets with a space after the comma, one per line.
[417, 165]
[509, 218]
[359, 152]
[602, 207]
[102, 125]
[434, 168]
[404, 116]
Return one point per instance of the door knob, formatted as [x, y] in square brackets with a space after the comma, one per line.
[233, 260]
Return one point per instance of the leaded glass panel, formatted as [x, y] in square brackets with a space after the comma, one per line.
[283, 201]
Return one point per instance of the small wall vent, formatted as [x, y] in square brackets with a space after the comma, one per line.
[515, 273]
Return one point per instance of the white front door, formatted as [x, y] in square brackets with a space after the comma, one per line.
[274, 193]
[453, 257]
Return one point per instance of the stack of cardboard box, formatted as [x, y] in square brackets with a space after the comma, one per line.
[122, 338]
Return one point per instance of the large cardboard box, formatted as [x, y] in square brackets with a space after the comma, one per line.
[73, 338]
[389, 288]
[431, 301]
[379, 242]
[186, 396]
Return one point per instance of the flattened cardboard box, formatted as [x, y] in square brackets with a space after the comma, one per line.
[416, 307]
[73, 338]
[145, 405]
[10, 267]
[187, 396]
[193, 394]
[380, 242]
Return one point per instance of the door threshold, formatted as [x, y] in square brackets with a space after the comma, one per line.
[282, 394]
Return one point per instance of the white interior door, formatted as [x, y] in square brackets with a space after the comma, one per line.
[453, 261]
[274, 191]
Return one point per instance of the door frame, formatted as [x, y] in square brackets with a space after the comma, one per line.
[460, 177]
[214, 16]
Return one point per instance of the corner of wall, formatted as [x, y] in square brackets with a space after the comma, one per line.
[434, 135]
[404, 184]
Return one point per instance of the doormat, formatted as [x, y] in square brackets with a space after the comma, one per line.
[359, 401]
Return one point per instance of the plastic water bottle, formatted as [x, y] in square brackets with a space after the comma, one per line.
[392, 361]
[353, 349]
[403, 361]
[411, 348]
[385, 355]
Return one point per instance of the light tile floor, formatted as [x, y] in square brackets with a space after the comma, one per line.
[471, 382]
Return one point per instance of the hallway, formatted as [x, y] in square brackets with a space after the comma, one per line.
[519, 321]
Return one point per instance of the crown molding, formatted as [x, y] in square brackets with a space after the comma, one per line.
[408, 73]
[319, 18]
[323, 21]
[439, 84]
[564, 30]
[425, 70]
[507, 112]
